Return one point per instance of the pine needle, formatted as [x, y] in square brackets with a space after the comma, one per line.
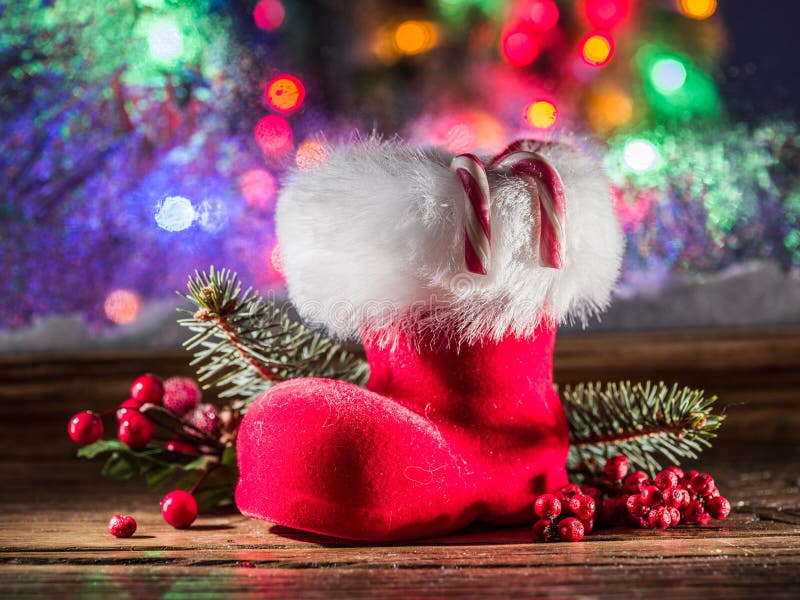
[243, 344]
[642, 421]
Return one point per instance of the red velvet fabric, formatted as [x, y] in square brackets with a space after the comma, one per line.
[439, 438]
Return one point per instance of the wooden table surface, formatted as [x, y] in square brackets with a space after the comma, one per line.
[54, 508]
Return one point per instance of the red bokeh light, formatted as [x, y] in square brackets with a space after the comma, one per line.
[540, 14]
[605, 14]
[285, 93]
[273, 134]
[269, 14]
[258, 188]
[518, 46]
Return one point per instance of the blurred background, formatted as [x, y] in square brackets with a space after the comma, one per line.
[142, 139]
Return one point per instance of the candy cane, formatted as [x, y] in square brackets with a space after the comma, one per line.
[550, 199]
[477, 223]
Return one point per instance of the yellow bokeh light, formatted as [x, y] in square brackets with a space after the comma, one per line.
[415, 37]
[122, 306]
[697, 9]
[609, 108]
[541, 114]
[597, 49]
[310, 155]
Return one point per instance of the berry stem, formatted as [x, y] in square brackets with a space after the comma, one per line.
[202, 478]
[179, 426]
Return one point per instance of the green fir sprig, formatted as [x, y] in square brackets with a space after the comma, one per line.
[643, 421]
[243, 343]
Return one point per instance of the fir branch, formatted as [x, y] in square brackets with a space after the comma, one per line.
[243, 343]
[641, 421]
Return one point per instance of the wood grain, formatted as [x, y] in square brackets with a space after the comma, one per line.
[54, 508]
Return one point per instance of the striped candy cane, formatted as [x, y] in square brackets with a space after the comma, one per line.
[548, 189]
[477, 224]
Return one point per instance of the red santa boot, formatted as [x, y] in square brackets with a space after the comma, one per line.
[455, 276]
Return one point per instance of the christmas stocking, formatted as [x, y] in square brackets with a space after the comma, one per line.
[455, 272]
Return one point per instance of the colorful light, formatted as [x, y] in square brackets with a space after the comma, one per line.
[518, 46]
[668, 75]
[276, 261]
[609, 108]
[697, 9]
[605, 14]
[175, 213]
[597, 49]
[122, 306]
[258, 188]
[285, 93]
[415, 37]
[269, 14]
[541, 114]
[540, 14]
[165, 41]
[310, 155]
[273, 134]
[640, 155]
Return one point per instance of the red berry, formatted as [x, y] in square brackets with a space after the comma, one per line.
[543, 530]
[582, 506]
[181, 447]
[135, 430]
[179, 509]
[570, 530]
[659, 518]
[635, 505]
[85, 427]
[688, 476]
[206, 418]
[147, 389]
[674, 515]
[633, 482]
[122, 526]
[616, 467]
[595, 493]
[570, 490]
[651, 495]
[588, 525]
[694, 513]
[181, 395]
[718, 507]
[666, 479]
[702, 484]
[713, 493]
[675, 469]
[127, 407]
[675, 497]
[547, 506]
[611, 509]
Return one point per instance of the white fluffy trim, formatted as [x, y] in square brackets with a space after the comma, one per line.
[373, 242]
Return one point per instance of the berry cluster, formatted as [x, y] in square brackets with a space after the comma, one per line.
[629, 499]
[195, 428]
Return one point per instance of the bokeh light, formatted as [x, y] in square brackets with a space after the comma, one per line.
[540, 14]
[285, 93]
[276, 260]
[609, 107]
[606, 14]
[269, 14]
[541, 114]
[640, 155]
[258, 188]
[273, 134]
[597, 49]
[415, 37]
[164, 40]
[697, 9]
[122, 306]
[310, 155]
[518, 46]
[175, 213]
[668, 75]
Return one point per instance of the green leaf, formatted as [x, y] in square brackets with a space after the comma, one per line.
[121, 465]
[100, 447]
[158, 477]
[229, 457]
